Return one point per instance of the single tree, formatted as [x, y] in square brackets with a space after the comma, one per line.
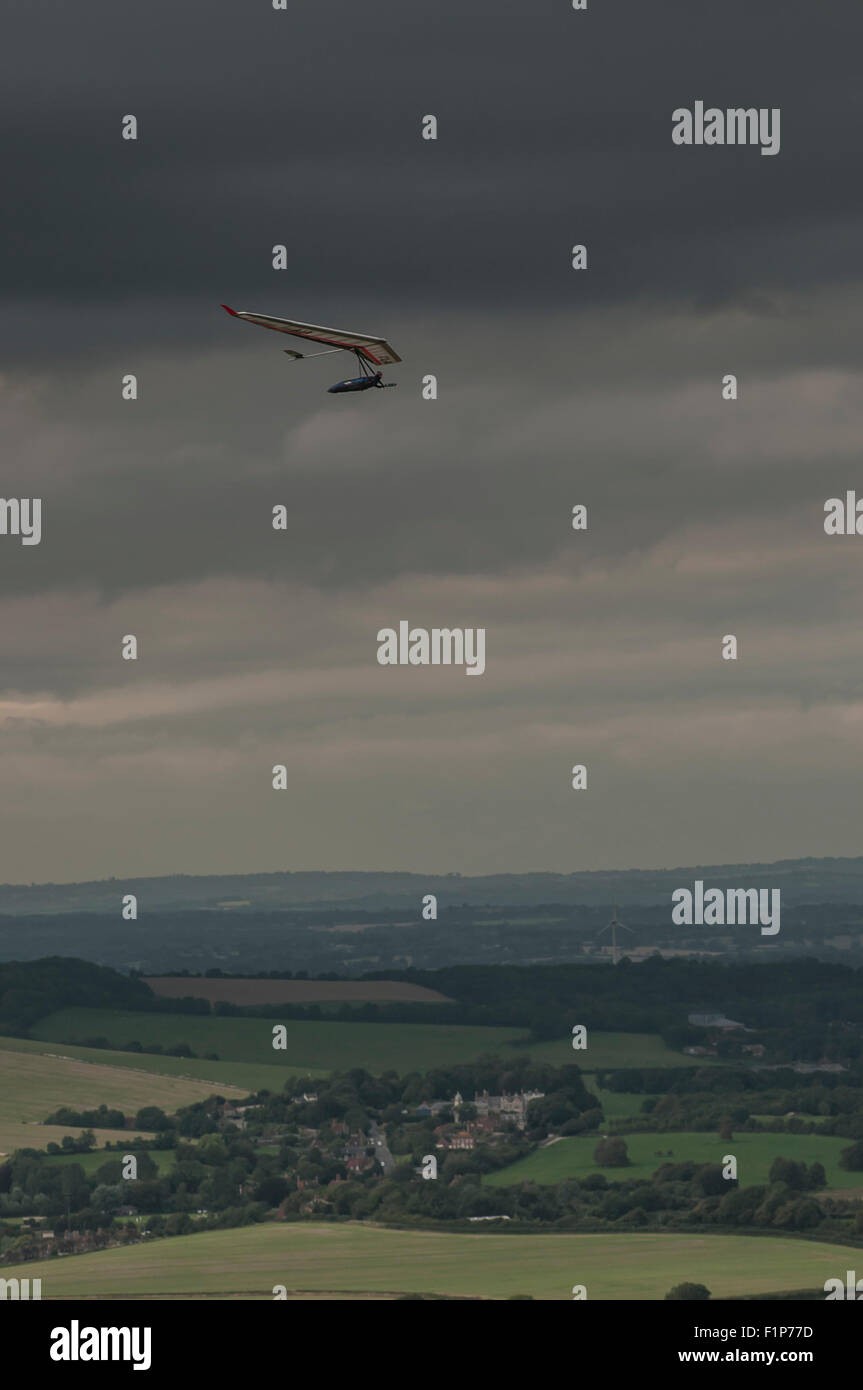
[611, 1153]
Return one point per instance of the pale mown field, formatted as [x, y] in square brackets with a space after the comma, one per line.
[226, 1078]
[34, 1084]
[361, 1261]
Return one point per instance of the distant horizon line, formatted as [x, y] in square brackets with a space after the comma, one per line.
[438, 874]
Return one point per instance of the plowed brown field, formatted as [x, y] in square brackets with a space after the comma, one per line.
[242, 991]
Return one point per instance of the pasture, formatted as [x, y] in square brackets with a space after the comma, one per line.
[164, 1159]
[573, 1157]
[617, 1105]
[316, 1047]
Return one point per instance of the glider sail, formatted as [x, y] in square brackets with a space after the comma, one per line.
[377, 351]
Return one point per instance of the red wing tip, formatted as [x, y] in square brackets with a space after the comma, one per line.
[231, 311]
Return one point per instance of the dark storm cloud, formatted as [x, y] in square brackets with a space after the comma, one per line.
[260, 127]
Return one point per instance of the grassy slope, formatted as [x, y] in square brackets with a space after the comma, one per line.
[247, 1263]
[226, 1077]
[324, 1046]
[573, 1158]
[618, 1105]
[164, 1159]
[35, 1084]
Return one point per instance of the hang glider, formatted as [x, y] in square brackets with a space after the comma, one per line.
[371, 353]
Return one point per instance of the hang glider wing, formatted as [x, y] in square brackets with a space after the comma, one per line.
[375, 350]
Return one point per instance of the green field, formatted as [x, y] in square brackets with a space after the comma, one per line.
[618, 1105]
[573, 1158]
[354, 1260]
[808, 1119]
[316, 1047]
[164, 1159]
[610, 1050]
[35, 1084]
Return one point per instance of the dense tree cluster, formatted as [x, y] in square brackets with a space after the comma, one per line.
[31, 989]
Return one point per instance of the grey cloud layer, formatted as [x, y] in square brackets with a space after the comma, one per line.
[620, 410]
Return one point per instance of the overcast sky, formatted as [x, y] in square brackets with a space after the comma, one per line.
[556, 387]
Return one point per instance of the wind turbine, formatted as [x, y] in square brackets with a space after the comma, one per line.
[612, 927]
